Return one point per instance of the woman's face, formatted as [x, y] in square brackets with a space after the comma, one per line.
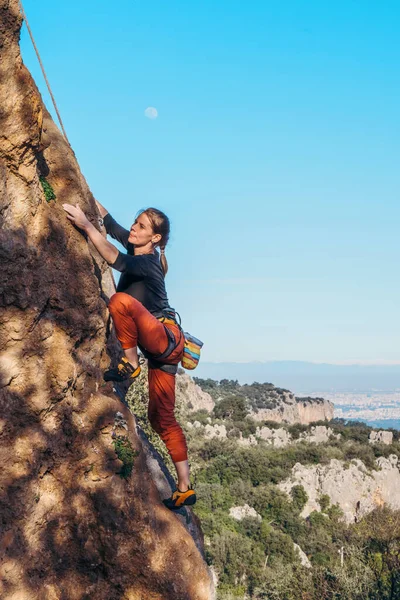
[142, 233]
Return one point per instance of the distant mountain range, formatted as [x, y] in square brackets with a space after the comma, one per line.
[307, 377]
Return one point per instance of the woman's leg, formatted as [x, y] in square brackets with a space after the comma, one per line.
[133, 323]
[183, 472]
[132, 355]
[162, 418]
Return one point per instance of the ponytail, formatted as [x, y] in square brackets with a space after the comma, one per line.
[161, 225]
[163, 260]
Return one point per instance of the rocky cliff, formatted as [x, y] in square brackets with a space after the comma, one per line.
[356, 489]
[191, 395]
[264, 401]
[80, 515]
[314, 409]
[290, 409]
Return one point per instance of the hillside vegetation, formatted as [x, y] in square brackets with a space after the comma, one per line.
[256, 556]
[257, 395]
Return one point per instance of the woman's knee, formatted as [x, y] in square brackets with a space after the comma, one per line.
[119, 301]
[162, 423]
[175, 441]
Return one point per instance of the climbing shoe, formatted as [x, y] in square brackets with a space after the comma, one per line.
[179, 499]
[123, 372]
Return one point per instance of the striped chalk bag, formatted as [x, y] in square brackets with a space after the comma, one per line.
[191, 352]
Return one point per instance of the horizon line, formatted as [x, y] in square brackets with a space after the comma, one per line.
[348, 363]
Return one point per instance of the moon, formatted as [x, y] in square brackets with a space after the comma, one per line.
[151, 112]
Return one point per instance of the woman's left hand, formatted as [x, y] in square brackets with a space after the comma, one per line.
[76, 215]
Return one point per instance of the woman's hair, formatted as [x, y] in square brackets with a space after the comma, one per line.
[160, 224]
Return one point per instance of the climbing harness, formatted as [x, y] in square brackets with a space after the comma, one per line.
[23, 13]
[157, 361]
[191, 349]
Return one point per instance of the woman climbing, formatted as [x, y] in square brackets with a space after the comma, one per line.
[142, 317]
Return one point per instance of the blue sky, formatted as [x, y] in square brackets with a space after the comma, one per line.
[275, 155]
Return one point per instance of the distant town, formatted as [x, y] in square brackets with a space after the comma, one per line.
[369, 393]
[375, 408]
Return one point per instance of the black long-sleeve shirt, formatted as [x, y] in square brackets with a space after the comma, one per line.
[141, 276]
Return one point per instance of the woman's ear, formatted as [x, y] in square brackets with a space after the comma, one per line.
[156, 239]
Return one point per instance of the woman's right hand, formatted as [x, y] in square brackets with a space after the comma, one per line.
[76, 215]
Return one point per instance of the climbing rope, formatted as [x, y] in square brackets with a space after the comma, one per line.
[43, 71]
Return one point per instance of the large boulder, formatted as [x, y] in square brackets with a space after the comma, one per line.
[244, 512]
[80, 515]
[381, 437]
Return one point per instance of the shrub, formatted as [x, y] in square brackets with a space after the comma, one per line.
[277, 544]
[201, 415]
[126, 454]
[324, 502]
[299, 497]
[236, 558]
[233, 407]
[49, 193]
[296, 429]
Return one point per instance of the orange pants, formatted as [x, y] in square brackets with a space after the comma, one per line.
[134, 325]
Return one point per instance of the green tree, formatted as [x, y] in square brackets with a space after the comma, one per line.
[324, 502]
[234, 408]
[299, 497]
[380, 533]
[237, 559]
[277, 544]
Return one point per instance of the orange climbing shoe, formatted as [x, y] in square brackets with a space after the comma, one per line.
[123, 372]
[179, 499]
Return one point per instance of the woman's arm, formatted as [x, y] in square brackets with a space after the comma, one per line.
[103, 211]
[107, 250]
[112, 227]
[116, 231]
[103, 246]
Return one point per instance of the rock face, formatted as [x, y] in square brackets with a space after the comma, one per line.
[72, 526]
[212, 431]
[319, 434]
[191, 395]
[381, 437]
[244, 512]
[356, 490]
[278, 437]
[296, 410]
[316, 409]
[303, 556]
[247, 441]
